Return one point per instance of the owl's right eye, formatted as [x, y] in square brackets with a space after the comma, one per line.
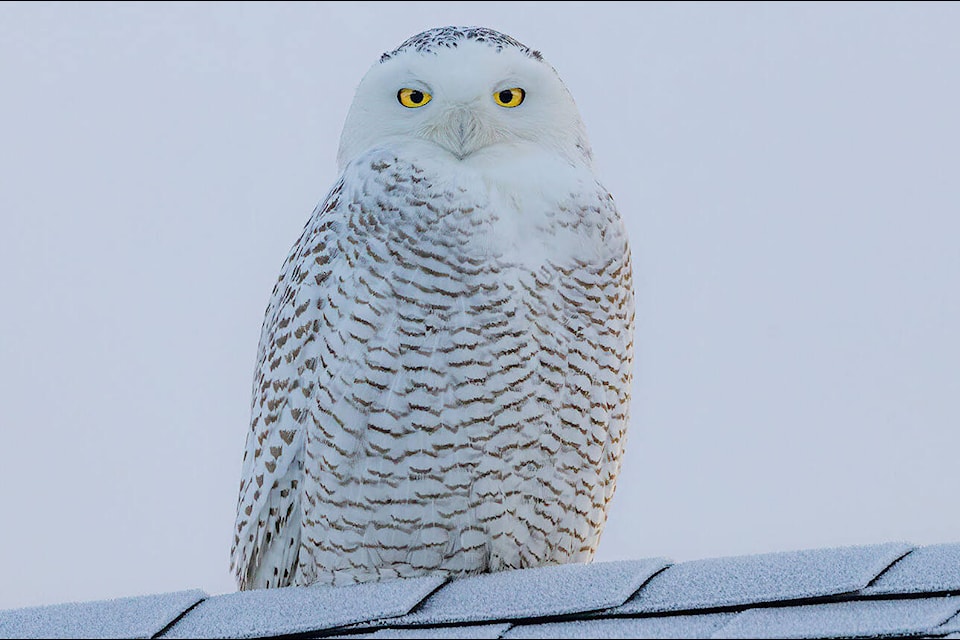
[413, 98]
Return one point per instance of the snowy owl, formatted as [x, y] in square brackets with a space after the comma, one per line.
[444, 369]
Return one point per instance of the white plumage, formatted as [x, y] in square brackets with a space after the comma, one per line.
[444, 372]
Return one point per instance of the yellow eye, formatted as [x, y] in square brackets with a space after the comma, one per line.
[509, 97]
[413, 98]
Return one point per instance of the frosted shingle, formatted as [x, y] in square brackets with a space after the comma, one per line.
[770, 577]
[532, 593]
[859, 618]
[681, 626]
[923, 570]
[272, 612]
[951, 626]
[478, 631]
[135, 617]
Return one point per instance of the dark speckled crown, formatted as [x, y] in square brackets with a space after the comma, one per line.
[432, 40]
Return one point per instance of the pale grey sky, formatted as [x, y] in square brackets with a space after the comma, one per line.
[788, 174]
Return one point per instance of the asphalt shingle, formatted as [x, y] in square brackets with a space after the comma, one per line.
[474, 631]
[274, 612]
[951, 626]
[534, 593]
[672, 626]
[861, 618]
[770, 577]
[934, 568]
[133, 617]
[865, 592]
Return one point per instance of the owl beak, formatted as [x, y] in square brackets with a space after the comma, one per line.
[460, 131]
[468, 132]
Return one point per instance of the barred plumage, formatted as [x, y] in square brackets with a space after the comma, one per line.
[444, 371]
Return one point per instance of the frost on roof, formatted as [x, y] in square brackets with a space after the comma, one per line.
[771, 577]
[951, 626]
[135, 617]
[924, 570]
[531, 593]
[477, 631]
[694, 626]
[861, 618]
[910, 593]
[273, 612]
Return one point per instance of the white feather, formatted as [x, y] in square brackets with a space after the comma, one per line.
[444, 371]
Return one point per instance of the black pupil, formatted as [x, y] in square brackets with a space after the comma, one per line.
[416, 97]
[506, 95]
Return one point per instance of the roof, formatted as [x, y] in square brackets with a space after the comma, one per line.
[885, 590]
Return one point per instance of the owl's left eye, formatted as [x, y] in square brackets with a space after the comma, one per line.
[509, 97]
[413, 98]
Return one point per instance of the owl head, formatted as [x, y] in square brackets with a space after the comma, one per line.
[467, 93]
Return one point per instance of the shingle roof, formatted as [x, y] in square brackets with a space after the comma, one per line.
[860, 592]
[138, 617]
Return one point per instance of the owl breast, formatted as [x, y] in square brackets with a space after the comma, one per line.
[465, 358]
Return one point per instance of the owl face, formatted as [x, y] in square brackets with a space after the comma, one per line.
[466, 98]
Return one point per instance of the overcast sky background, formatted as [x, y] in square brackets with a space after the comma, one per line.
[790, 178]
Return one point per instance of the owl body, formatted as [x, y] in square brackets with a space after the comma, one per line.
[445, 363]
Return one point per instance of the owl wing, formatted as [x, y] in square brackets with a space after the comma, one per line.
[267, 534]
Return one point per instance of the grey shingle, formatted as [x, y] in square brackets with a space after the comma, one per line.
[673, 626]
[951, 626]
[134, 617]
[771, 577]
[861, 618]
[273, 612]
[533, 593]
[478, 631]
[643, 598]
[924, 570]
